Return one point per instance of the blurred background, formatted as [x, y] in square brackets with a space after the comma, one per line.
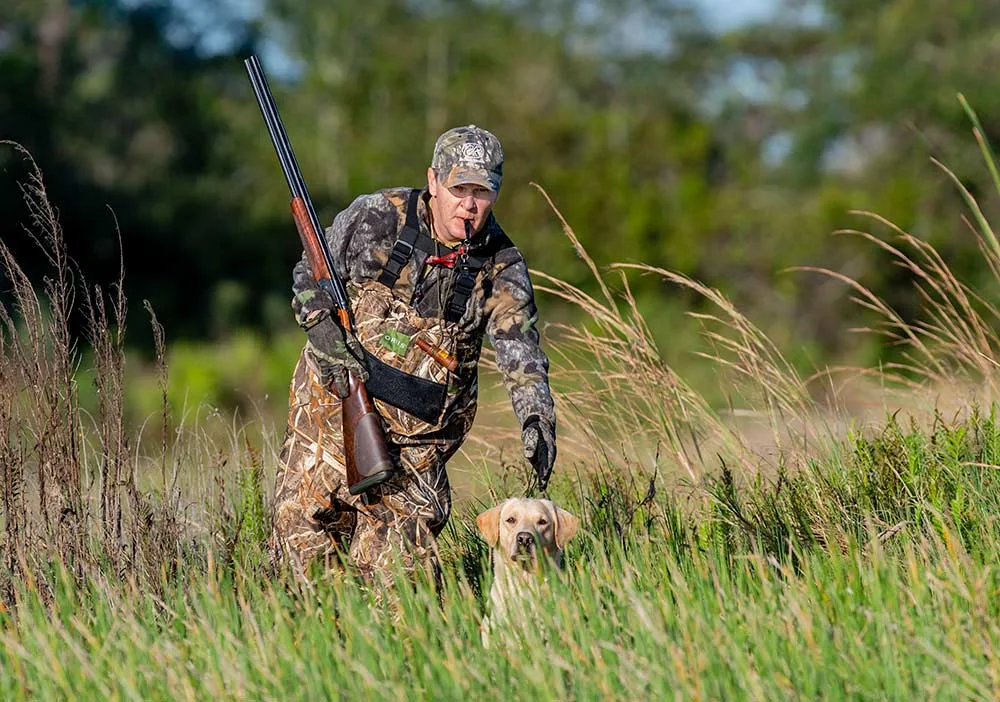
[725, 139]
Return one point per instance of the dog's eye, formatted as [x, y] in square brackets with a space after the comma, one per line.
[543, 521]
[511, 520]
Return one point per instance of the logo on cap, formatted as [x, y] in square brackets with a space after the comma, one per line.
[475, 153]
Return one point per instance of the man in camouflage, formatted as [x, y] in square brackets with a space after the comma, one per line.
[431, 262]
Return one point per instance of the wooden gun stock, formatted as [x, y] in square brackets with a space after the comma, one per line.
[313, 243]
[367, 457]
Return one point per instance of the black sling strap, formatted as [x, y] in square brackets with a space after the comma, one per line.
[411, 237]
[465, 283]
[422, 398]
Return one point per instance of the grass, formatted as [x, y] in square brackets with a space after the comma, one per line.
[816, 556]
[654, 615]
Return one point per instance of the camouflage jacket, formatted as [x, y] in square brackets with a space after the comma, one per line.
[502, 306]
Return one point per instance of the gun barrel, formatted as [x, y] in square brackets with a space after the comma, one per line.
[314, 241]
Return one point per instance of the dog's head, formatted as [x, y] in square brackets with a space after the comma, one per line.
[519, 529]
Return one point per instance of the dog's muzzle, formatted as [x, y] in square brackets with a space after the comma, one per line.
[525, 542]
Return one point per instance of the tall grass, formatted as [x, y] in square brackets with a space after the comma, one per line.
[832, 560]
[75, 491]
[617, 385]
[641, 623]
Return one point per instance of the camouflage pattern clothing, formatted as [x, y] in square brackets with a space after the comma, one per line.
[469, 155]
[315, 517]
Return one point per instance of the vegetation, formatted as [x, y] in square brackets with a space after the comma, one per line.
[665, 146]
[820, 563]
[783, 513]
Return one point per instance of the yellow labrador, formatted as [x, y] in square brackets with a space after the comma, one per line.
[526, 536]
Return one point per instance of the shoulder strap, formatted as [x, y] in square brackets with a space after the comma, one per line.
[465, 283]
[468, 268]
[409, 238]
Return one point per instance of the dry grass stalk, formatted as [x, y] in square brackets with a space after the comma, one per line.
[612, 381]
[39, 360]
[47, 449]
[954, 342]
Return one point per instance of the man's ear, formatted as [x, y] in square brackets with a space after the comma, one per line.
[489, 525]
[566, 526]
[432, 182]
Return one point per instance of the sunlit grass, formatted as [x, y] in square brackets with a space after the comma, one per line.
[916, 617]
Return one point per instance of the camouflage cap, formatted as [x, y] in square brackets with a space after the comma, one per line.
[468, 155]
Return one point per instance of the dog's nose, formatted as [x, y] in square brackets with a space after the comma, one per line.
[525, 539]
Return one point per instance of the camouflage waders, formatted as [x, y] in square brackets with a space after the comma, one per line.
[315, 516]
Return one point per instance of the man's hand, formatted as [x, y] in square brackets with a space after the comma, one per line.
[539, 439]
[337, 352]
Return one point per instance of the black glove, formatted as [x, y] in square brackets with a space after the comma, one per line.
[337, 351]
[539, 439]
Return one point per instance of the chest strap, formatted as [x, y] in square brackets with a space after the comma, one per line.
[410, 238]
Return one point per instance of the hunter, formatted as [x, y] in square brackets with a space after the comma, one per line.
[431, 262]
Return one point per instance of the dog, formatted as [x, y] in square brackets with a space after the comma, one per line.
[526, 538]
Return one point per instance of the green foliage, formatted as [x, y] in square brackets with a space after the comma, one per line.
[245, 372]
[937, 482]
[725, 157]
[244, 526]
[858, 569]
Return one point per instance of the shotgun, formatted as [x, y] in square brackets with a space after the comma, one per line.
[365, 450]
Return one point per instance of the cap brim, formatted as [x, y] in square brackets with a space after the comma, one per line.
[471, 176]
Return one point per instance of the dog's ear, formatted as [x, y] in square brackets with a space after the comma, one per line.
[566, 526]
[489, 525]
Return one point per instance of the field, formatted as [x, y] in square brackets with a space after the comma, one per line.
[781, 546]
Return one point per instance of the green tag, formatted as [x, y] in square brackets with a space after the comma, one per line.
[397, 342]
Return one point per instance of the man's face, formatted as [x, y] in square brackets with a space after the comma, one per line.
[453, 207]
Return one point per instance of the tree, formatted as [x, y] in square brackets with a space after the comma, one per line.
[134, 134]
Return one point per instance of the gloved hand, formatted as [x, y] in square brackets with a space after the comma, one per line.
[538, 437]
[337, 351]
